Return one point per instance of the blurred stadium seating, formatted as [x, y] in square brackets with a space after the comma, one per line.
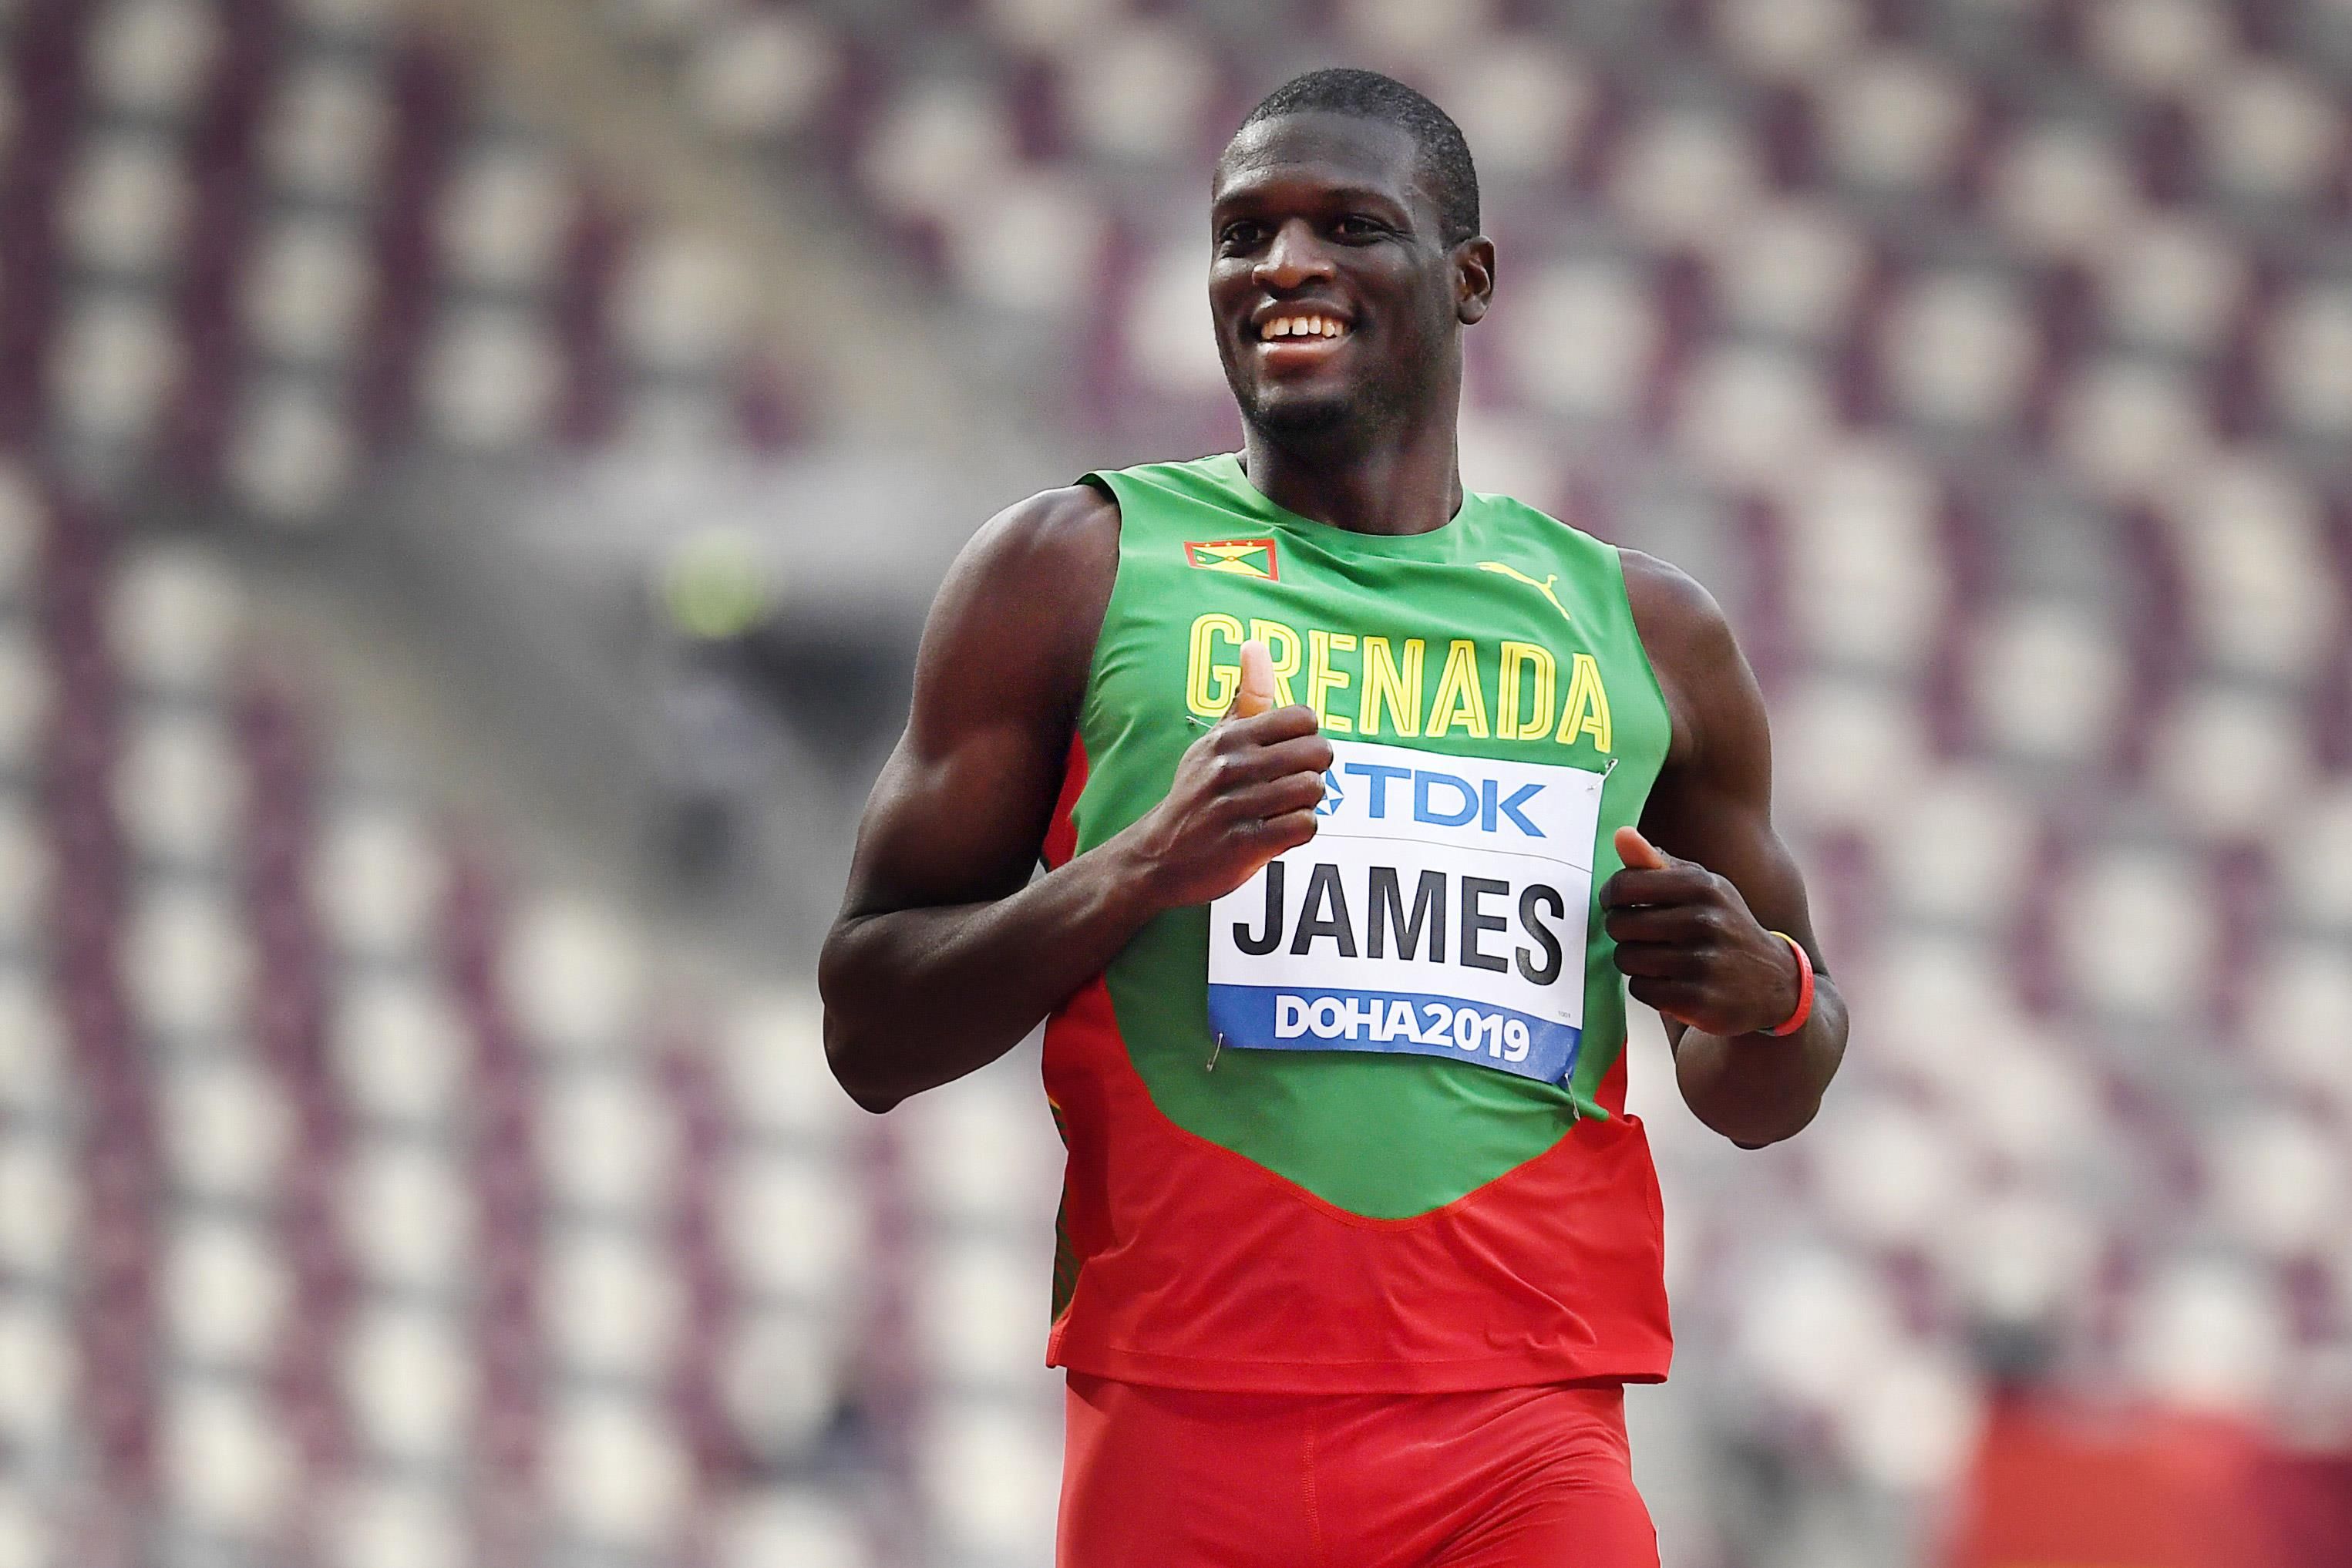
[365, 1200]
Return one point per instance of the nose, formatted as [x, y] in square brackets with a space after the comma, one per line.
[1294, 257]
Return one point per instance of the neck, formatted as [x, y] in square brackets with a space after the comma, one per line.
[1393, 481]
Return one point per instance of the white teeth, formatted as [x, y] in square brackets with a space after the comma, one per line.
[1303, 327]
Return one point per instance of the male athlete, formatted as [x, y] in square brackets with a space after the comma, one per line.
[1336, 770]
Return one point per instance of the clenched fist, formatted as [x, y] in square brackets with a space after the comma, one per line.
[1243, 793]
[1689, 946]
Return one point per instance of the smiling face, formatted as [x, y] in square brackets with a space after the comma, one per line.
[1338, 305]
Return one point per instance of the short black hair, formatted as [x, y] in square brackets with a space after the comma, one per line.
[1444, 155]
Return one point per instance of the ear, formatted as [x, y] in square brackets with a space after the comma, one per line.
[1473, 278]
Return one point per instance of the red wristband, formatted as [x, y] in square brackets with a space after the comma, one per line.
[1804, 987]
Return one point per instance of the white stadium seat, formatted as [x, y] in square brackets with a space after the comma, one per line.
[325, 133]
[378, 880]
[173, 617]
[293, 452]
[2207, 1335]
[1893, 119]
[2131, 429]
[615, 1474]
[503, 216]
[762, 72]
[1886, 1173]
[2157, 47]
[1678, 177]
[188, 962]
[152, 56]
[807, 1529]
[989, 1472]
[407, 1215]
[788, 1224]
[573, 971]
[1958, 350]
[611, 1304]
[980, 1312]
[491, 378]
[2136, 931]
[225, 1291]
[1585, 341]
[308, 288]
[126, 203]
[2308, 361]
[1523, 105]
[226, 1127]
[2270, 131]
[229, 1466]
[2280, 1187]
[2171, 282]
[40, 1208]
[780, 1379]
[2232, 761]
[2047, 681]
[1961, 849]
[1790, 269]
[409, 1378]
[113, 367]
[992, 245]
[1790, 40]
[180, 787]
[2062, 192]
[39, 1367]
[399, 1051]
[393, 1526]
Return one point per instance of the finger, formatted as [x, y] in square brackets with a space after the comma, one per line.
[1683, 924]
[1658, 960]
[1638, 853]
[1282, 724]
[1255, 694]
[1277, 797]
[1681, 883]
[1246, 763]
[1675, 999]
[1275, 835]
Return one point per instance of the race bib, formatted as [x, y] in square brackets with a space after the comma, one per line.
[1439, 910]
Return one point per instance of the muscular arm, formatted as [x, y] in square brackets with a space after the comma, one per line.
[946, 953]
[1694, 937]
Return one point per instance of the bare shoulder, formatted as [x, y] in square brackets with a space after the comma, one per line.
[1690, 645]
[1670, 605]
[1053, 534]
[1014, 627]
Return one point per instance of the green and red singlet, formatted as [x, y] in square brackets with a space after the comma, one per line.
[1358, 1127]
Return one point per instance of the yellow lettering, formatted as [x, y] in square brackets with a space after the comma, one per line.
[1587, 709]
[1322, 679]
[1519, 656]
[1208, 687]
[1459, 700]
[1385, 684]
[1283, 644]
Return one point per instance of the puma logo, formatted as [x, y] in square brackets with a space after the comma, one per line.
[1543, 587]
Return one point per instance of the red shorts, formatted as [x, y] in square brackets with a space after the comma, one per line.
[1508, 1477]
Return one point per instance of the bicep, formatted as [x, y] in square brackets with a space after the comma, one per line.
[961, 806]
[1714, 804]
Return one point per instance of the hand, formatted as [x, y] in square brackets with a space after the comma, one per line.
[1243, 793]
[1689, 946]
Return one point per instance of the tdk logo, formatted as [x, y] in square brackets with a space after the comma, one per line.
[1333, 796]
[1440, 799]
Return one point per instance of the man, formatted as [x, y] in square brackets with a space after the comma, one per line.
[1336, 771]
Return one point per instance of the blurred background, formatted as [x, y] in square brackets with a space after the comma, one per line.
[471, 474]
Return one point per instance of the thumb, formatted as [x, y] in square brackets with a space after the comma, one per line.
[1255, 694]
[1638, 853]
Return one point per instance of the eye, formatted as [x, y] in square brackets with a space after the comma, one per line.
[1356, 226]
[1241, 235]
